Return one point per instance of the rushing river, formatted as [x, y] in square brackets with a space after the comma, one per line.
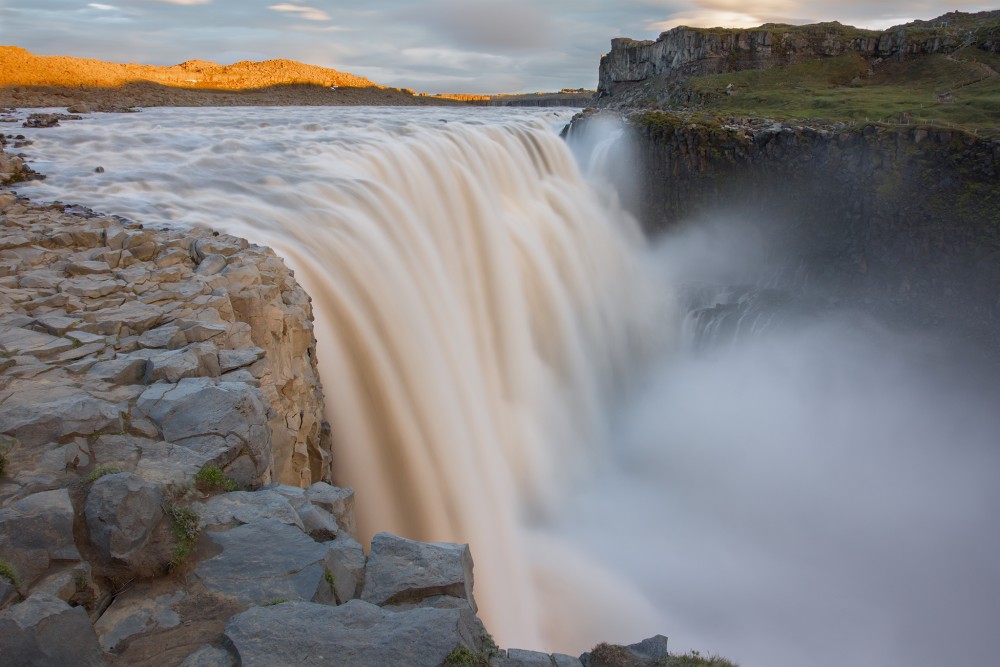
[507, 362]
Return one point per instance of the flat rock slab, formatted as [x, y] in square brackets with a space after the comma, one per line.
[200, 406]
[356, 634]
[402, 571]
[263, 562]
[242, 507]
[47, 414]
[44, 631]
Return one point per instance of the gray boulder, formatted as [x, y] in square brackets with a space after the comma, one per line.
[266, 561]
[122, 511]
[46, 414]
[356, 634]
[44, 631]
[37, 530]
[404, 571]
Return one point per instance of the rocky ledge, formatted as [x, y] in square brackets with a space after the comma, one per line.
[165, 469]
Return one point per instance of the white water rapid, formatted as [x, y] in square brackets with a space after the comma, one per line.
[498, 350]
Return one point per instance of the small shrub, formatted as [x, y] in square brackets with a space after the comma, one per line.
[611, 655]
[695, 659]
[101, 471]
[211, 479]
[8, 572]
[3, 463]
[186, 525]
[330, 579]
[462, 656]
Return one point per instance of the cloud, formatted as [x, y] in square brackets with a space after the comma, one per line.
[308, 13]
[103, 8]
[183, 2]
[481, 24]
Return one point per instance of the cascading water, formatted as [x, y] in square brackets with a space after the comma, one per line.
[801, 487]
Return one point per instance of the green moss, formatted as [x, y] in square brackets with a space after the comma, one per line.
[9, 572]
[101, 471]
[211, 479]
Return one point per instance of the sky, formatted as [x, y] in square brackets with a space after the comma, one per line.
[447, 46]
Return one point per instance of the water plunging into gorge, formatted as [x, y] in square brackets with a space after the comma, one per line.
[504, 365]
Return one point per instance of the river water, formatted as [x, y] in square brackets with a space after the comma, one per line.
[508, 362]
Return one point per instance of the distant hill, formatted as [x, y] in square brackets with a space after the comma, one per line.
[19, 67]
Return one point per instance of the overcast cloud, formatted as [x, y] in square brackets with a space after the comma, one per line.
[429, 45]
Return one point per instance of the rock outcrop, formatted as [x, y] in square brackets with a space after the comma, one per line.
[635, 70]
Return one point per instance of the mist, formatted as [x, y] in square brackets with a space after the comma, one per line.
[810, 484]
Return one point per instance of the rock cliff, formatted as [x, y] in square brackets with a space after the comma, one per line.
[683, 52]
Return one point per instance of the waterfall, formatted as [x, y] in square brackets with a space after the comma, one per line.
[477, 306]
[801, 485]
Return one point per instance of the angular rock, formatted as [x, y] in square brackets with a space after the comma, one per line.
[124, 370]
[122, 510]
[44, 631]
[563, 660]
[405, 571]
[51, 413]
[337, 501]
[14, 340]
[131, 615]
[518, 657]
[251, 573]
[242, 507]
[201, 407]
[345, 561]
[37, 530]
[356, 634]
[233, 359]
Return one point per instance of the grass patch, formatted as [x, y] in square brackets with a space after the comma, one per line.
[101, 471]
[186, 526]
[211, 479]
[932, 89]
[9, 572]
[695, 659]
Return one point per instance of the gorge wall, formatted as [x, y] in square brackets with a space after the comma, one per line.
[904, 215]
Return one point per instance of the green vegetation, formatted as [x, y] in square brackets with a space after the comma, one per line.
[9, 572]
[186, 527]
[695, 659]
[102, 470]
[271, 603]
[3, 462]
[960, 89]
[211, 479]
[462, 656]
[611, 655]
